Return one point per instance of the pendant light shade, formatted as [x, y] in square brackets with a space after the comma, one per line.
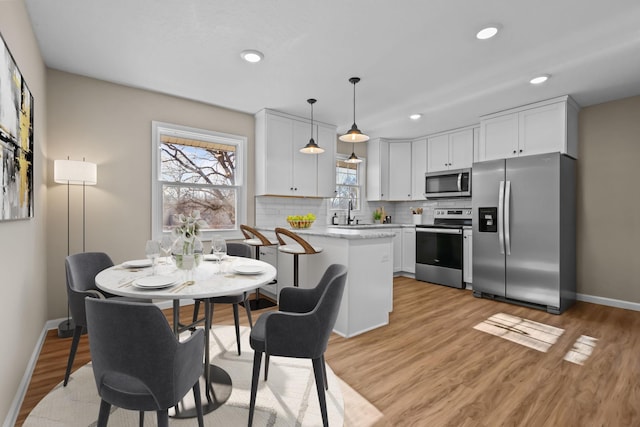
[354, 134]
[353, 158]
[311, 147]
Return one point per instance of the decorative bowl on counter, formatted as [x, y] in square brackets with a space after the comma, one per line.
[301, 221]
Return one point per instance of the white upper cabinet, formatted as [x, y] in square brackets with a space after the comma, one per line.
[418, 168]
[451, 150]
[377, 169]
[281, 169]
[543, 127]
[400, 167]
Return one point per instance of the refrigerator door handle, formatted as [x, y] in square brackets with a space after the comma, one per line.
[507, 218]
[501, 217]
[459, 182]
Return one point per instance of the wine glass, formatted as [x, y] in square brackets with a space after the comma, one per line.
[152, 249]
[219, 249]
[165, 246]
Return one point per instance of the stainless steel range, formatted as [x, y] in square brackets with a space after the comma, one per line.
[439, 247]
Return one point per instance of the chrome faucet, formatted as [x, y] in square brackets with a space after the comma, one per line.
[349, 219]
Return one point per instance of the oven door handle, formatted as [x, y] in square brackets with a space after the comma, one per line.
[439, 230]
[501, 217]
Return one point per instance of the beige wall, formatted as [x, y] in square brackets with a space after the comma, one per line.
[608, 220]
[22, 249]
[110, 125]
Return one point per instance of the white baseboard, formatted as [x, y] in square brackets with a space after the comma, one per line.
[628, 305]
[14, 409]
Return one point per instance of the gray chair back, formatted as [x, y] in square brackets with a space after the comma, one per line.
[138, 363]
[240, 249]
[289, 334]
[81, 271]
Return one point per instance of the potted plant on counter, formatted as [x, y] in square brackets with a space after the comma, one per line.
[377, 216]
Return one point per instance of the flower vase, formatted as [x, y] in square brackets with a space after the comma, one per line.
[417, 218]
[187, 254]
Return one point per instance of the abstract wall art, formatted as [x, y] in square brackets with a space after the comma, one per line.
[16, 140]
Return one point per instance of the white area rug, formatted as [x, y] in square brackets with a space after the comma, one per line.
[288, 398]
[522, 331]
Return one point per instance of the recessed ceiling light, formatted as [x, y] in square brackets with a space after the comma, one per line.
[539, 79]
[415, 116]
[252, 56]
[487, 33]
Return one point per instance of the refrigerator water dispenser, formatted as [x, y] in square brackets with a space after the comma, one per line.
[488, 220]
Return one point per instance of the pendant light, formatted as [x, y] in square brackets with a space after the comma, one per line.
[354, 134]
[353, 158]
[311, 147]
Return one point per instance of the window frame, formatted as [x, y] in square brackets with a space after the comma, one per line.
[240, 142]
[361, 182]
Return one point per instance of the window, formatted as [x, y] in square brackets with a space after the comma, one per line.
[201, 170]
[347, 185]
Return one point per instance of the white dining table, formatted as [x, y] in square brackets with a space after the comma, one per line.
[231, 276]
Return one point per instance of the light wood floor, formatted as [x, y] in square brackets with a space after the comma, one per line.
[429, 367]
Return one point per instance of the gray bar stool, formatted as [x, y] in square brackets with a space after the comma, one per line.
[301, 247]
[256, 239]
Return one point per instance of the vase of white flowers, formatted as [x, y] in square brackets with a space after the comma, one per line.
[187, 248]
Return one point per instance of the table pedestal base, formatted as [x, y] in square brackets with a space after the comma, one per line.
[219, 392]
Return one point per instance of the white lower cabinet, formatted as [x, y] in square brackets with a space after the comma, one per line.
[467, 248]
[409, 250]
[397, 249]
[269, 254]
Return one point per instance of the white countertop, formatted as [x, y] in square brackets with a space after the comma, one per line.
[362, 231]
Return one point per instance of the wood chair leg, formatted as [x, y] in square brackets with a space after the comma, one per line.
[163, 418]
[317, 370]
[103, 415]
[77, 333]
[236, 319]
[248, 309]
[257, 360]
[324, 373]
[197, 397]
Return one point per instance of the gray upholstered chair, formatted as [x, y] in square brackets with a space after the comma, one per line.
[300, 329]
[138, 363]
[81, 270]
[233, 249]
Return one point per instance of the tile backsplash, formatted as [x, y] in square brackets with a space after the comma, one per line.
[273, 211]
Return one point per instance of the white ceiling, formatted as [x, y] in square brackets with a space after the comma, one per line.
[412, 55]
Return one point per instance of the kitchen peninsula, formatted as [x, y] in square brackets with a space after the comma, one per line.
[368, 254]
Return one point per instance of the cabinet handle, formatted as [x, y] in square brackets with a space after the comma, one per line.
[514, 151]
[521, 150]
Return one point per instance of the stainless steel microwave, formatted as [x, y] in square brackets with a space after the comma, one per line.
[451, 183]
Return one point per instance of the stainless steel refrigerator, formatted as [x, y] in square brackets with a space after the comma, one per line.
[524, 233]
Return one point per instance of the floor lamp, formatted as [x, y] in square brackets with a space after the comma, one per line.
[73, 172]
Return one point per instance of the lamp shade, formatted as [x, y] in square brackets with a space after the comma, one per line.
[75, 172]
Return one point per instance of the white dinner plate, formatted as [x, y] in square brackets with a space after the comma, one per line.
[137, 263]
[213, 257]
[248, 269]
[154, 282]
